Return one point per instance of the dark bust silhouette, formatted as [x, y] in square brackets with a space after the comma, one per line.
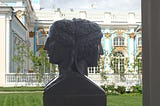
[74, 45]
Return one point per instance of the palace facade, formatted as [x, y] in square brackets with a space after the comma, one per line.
[122, 43]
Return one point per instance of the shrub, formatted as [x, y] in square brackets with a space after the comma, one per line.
[121, 89]
[137, 89]
[104, 87]
[110, 89]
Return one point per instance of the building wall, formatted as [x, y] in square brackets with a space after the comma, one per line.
[5, 17]
[16, 21]
[2, 52]
[112, 24]
[18, 37]
[129, 50]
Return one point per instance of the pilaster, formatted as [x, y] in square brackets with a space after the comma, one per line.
[131, 53]
[2, 53]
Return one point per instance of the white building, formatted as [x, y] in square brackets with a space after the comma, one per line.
[122, 42]
[16, 22]
[122, 37]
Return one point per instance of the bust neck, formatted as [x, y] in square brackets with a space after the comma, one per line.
[76, 67]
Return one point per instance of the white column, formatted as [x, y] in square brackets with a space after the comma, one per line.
[107, 60]
[2, 51]
[131, 55]
[7, 47]
[107, 41]
[151, 52]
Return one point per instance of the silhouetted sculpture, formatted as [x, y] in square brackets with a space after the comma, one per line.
[74, 45]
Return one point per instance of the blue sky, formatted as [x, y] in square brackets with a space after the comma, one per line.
[110, 5]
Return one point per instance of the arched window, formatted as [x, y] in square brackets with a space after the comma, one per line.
[119, 41]
[140, 41]
[118, 64]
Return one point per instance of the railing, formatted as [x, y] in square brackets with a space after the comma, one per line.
[126, 80]
[28, 79]
[32, 79]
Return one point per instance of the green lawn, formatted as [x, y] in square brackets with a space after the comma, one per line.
[8, 89]
[25, 99]
[124, 100]
[35, 99]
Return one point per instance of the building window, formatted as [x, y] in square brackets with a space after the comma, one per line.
[138, 63]
[118, 64]
[119, 41]
[140, 41]
[93, 70]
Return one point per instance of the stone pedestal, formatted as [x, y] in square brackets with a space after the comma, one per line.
[73, 89]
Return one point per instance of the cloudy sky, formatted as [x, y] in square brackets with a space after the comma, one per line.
[111, 5]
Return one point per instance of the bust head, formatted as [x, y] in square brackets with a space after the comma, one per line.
[74, 43]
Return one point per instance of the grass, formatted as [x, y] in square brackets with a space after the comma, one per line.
[35, 99]
[25, 99]
[125, 100]
[21, 89]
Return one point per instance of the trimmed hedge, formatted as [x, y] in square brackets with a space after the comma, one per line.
[112, 90]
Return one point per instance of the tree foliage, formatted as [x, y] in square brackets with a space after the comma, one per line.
[20, 54]
[40, 63]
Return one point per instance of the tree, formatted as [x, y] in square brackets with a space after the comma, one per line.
[138, 63]
[138, 66]
[40, 64]
[20, 54]
[101, 66]
[19, 59]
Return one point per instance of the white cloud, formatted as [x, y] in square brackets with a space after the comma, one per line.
[121, 5]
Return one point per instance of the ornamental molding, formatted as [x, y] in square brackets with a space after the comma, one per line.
[19, 14]
[107, 35]
[132, 35]
[119, 32]
[120, 48]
